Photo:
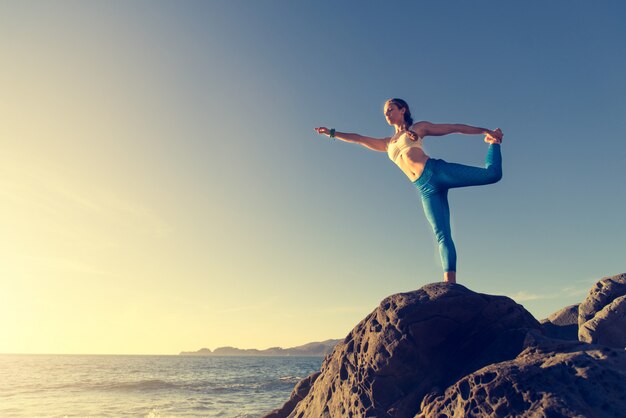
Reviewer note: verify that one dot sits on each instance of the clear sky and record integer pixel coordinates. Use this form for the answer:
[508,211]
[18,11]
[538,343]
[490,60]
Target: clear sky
[162,188]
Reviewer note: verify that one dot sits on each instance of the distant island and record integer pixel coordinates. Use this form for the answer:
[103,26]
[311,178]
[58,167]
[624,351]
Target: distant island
[311,349]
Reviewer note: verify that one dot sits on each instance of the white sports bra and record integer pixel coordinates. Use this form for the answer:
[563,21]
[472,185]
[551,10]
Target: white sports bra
[398,147]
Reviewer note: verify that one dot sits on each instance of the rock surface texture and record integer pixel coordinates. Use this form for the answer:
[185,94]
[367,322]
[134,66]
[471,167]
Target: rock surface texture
[562,324]
[602,315]
[411,343]
[550,378]
[608,327]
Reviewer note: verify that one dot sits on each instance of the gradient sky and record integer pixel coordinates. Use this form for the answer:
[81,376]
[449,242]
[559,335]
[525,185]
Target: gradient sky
[162,188]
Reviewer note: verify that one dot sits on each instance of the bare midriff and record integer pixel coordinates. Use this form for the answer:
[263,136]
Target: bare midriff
[412,163]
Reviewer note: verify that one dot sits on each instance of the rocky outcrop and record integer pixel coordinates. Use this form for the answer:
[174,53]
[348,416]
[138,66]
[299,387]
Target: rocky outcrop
[607,327]
[445,351]
[602,315]
[411,343]
[563,324]
[605,291]
[550,378]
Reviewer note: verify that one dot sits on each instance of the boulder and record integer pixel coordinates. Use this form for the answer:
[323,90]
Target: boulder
[610,316]
[605,291]
[607,327]
[550,378]
[562,324]
[412,343]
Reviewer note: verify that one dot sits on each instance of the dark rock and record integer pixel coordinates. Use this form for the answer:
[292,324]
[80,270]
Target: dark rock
[411,344]
[599,319]
[299,392]
[550,378]
[445,351]
[562,324]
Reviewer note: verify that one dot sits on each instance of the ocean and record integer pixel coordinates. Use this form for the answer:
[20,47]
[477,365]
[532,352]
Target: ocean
[147,386]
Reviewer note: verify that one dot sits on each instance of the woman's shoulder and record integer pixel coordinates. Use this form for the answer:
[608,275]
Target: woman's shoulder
[420,128]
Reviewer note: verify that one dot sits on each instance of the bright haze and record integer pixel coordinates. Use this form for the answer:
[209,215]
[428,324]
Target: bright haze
[162,187]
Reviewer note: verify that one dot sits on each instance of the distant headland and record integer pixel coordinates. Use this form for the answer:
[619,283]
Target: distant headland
[311,349]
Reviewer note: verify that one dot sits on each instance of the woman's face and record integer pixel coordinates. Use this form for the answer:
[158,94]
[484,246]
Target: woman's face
[393,114]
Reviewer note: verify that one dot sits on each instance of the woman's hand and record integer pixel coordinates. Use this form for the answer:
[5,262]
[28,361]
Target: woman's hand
[323,130]
[494,137]
[497,134]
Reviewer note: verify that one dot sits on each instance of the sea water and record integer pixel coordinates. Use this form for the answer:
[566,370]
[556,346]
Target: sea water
[147,386]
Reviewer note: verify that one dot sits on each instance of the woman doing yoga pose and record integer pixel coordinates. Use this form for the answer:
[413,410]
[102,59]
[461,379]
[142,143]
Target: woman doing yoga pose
[432,177]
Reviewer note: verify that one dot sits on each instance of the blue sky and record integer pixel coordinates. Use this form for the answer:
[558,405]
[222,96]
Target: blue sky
[161,175]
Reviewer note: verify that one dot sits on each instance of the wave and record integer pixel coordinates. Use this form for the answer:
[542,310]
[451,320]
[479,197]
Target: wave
[154,385]
[141,385]
[290,379]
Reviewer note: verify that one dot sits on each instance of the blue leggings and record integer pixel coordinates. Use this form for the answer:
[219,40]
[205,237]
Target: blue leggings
[433,185]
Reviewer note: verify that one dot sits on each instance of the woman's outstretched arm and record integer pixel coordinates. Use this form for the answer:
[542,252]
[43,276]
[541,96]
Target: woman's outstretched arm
[376,144]
[438,129]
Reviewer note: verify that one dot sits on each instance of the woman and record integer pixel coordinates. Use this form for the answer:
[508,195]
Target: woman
[432,177]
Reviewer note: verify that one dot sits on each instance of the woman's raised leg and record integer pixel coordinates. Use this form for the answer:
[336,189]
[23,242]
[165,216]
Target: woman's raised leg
[450,175]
